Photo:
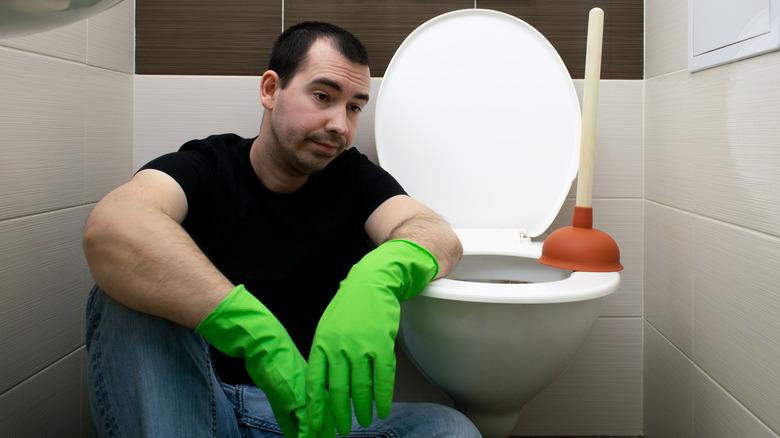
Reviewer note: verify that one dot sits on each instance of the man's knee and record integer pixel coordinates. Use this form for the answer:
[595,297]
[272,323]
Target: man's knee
[453,423]
[432,420]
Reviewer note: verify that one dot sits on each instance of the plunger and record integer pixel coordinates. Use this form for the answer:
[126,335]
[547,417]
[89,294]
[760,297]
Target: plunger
[581,247]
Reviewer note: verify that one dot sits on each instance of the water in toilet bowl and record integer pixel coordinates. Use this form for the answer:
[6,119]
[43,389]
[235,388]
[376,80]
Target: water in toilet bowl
[489,281]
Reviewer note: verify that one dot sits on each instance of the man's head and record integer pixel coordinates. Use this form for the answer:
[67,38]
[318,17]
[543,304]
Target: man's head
[290,51]
[313,96]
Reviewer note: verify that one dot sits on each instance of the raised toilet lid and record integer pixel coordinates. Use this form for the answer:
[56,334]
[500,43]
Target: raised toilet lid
[477,117]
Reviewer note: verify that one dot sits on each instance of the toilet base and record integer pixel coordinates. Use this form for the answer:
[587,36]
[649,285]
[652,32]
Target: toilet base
[493,424]
[498,356]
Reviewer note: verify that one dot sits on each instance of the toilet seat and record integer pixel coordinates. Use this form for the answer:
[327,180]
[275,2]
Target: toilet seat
[579,286]
[547,284]
[477,118]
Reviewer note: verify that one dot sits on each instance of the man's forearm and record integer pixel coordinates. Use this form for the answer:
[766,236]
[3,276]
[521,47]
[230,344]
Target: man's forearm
[434,234]
[145,260]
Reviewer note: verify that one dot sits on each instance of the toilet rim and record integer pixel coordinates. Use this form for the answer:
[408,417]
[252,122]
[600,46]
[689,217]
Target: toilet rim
[579,286]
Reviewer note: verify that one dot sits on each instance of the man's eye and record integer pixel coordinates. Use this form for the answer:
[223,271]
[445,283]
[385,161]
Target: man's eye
[322,97]
[356,108]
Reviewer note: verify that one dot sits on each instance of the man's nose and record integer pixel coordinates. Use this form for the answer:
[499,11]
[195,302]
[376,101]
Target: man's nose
[337,122]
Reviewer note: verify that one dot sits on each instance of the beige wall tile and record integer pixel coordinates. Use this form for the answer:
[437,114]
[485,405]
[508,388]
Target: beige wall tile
[681,400]
[712,136]
[42,298]
[668,388]
[364,139]
[736,178]
[618,166]
[669,141]
[67,42]
[719,415]
[668,274]
[666,37]
[48,404]
[171,110]
[599,393]
[109,132]
[111,38]
[737,314]
[66,128]
[43,126]
[87,428]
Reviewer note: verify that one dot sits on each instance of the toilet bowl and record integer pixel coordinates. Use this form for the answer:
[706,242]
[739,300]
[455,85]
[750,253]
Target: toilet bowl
[477,117]
[500,329]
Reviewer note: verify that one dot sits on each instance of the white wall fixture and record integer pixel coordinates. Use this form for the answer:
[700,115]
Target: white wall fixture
[22,17]
[722,31]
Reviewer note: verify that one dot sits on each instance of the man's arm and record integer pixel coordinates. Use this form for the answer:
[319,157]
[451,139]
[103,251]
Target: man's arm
[352,353]
[402,217]
[140,255]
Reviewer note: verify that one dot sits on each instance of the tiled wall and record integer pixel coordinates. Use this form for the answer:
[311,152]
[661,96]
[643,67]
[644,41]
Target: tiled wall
[182,92]
[705,186]
[600,393]
[66,109]
[712,240]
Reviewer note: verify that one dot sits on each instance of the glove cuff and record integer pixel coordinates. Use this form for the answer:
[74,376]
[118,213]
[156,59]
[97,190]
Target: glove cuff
[418,265]
[240,322]
[214,323]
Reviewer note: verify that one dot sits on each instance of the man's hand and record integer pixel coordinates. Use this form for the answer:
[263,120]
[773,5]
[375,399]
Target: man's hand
[242,327]
[352,353]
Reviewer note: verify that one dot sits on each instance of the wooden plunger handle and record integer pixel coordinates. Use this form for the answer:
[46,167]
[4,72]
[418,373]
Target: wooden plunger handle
[590,108]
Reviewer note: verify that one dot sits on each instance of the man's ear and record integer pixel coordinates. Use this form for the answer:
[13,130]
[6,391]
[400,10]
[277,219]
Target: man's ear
[269,85]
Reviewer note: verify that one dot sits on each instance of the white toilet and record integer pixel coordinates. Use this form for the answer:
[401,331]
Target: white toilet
[478,118]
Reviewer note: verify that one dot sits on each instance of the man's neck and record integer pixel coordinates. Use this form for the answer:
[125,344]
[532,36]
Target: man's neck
[270,173]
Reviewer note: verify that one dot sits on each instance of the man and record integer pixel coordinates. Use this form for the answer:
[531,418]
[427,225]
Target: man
[260,246]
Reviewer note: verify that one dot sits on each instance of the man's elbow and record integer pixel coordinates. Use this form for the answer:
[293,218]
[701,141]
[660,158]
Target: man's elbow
[96,234]
[452,254]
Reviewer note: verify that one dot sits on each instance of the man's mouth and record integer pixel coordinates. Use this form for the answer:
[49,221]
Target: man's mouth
[326,148]
[330,146]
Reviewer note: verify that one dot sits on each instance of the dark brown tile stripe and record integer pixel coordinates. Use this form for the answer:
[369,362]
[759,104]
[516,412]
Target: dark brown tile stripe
[234,37]
[205,37]
[565,25]
[381,25]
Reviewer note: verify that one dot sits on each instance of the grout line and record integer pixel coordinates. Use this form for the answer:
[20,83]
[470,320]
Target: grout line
[46,368]
[700,216]
[47,212]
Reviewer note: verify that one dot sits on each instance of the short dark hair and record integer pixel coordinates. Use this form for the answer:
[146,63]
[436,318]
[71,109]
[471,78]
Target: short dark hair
[291,48]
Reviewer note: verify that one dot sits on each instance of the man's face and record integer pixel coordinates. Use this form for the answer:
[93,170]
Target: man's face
[316,116]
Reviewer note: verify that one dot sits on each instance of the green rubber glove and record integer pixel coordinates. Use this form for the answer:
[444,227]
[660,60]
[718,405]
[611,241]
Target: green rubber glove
[352,352]
[242,327]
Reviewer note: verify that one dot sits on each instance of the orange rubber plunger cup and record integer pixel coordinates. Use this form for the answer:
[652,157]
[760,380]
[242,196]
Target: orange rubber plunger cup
[581,247]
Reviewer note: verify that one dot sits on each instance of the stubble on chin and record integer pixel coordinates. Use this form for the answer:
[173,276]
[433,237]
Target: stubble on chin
[300,156]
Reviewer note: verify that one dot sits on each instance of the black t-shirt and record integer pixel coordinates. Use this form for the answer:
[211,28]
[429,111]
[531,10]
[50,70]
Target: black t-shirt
[290,250]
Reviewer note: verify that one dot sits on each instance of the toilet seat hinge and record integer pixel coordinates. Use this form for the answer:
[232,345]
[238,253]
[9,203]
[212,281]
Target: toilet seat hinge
[524,238]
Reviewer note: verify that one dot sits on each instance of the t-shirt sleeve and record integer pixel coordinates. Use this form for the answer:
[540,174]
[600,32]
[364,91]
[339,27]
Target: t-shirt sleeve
[195,173]
[374,185]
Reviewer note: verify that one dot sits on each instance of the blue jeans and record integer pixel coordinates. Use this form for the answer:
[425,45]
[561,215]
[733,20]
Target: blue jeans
[151,377]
